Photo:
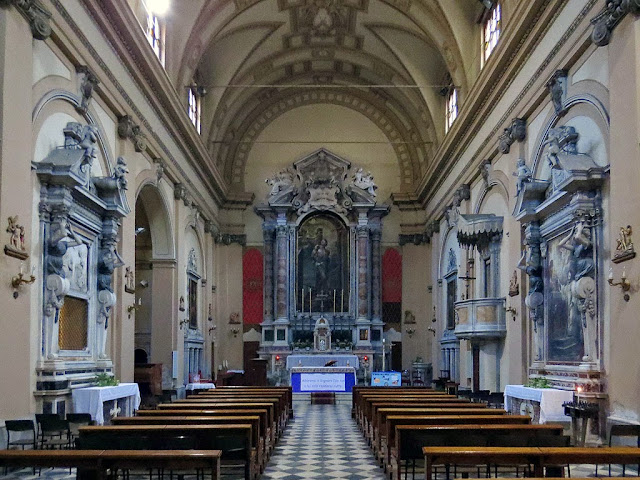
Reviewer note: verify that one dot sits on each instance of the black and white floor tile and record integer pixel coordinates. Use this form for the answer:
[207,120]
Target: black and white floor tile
[322,443]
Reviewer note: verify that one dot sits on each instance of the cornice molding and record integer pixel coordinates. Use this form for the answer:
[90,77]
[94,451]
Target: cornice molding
[532,21]
[121,29]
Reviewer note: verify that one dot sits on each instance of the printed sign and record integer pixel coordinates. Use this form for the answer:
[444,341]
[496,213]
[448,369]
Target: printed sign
[322,382]
[386,379]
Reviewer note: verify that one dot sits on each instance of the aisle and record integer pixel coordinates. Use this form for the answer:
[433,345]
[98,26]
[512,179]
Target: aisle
[323,442]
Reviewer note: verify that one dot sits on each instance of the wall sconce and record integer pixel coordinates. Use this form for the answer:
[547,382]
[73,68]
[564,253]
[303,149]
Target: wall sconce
[410,331]
[211,329]
[434,320]
[183,322]
[432,330]
[132,308]
[21,279]
[623,283]
[512,311]
[235,331]
[181,306]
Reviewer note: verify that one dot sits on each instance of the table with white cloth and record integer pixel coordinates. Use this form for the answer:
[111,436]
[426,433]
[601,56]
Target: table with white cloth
[104,403]
[543,404]
[200,386]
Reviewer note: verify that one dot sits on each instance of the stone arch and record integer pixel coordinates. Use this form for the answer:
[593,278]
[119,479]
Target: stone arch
[389,124]
[160,228]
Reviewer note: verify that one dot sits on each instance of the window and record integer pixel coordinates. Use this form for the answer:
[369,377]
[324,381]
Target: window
[490,32]
[194,106]
[451,300]
[452,107]
[155,36]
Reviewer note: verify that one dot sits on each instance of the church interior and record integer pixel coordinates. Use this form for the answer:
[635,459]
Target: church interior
[300,214]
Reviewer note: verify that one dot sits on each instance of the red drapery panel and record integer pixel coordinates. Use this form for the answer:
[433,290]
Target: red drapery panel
[391,276]
[252,278]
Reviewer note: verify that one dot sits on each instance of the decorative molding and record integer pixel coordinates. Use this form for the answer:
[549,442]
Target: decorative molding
[609,17]
[160,168]
[413,238]
[127,129]
[517,131]
[462,193]
[36,14]
[229,238]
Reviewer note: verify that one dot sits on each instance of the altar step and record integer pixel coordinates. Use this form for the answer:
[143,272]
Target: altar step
[341,398]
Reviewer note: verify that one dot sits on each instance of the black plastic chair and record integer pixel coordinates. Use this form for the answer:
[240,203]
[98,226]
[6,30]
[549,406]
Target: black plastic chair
[77,420]
[20,427]
[622,430]
[54,433]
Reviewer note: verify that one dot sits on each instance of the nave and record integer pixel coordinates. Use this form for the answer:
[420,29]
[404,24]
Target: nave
[322,442]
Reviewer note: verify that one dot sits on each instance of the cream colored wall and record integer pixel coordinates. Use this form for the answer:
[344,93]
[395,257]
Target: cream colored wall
[335,128]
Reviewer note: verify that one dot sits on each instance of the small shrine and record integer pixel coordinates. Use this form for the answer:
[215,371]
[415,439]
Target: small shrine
[322,336]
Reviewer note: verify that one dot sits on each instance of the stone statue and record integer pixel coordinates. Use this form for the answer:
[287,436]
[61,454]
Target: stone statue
[624,245]
[119,173]
[16,232]
[280,182]
[61,238]
[523,173]
[108,261]
[365,181]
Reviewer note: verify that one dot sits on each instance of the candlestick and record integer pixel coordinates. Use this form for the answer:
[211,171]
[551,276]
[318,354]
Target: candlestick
[309,300]
[342,301]
[302,296]
[334,301]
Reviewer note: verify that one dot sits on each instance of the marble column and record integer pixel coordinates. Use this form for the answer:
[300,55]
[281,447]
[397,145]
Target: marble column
[281,278]
[376,258]
[267,233]
[363,244]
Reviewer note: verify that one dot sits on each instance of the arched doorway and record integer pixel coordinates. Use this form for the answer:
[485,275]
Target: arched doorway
[154,284]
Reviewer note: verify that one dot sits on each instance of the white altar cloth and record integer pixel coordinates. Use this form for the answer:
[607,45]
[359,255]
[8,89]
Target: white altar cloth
[200,386]
[550,400]
[319,360]
[91,399]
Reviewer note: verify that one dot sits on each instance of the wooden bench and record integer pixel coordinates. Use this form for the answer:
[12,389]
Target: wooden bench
[362,408]
[388,427]
[257,435]
[286,389]
[99,462]
[409,439]
[215,395]
[234,440]
[537,457]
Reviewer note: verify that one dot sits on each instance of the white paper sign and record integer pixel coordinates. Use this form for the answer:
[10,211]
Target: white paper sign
[322,382]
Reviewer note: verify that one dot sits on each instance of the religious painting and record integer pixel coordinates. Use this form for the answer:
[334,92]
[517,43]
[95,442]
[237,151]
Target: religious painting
[323,265]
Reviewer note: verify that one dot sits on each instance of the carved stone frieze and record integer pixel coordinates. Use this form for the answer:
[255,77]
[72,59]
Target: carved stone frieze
[413,238]
[516,132]
[609,17]
[128,129]
[37,15]
[229,238]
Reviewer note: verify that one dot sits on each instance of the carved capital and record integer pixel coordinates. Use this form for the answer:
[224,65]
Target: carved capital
[609,17]
[160,167]
[229,238]
[128,129]
[35,13]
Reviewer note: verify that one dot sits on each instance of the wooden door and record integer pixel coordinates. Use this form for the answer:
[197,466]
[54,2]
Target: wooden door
[396,356]
[250,352]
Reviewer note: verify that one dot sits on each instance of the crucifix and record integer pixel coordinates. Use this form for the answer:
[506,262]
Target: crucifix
[115,410]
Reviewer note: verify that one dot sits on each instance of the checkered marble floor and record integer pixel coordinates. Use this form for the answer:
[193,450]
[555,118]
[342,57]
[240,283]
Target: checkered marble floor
[322,443]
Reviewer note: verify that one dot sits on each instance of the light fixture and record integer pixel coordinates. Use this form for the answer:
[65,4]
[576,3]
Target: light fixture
[410,331]
[158,7]
[22,279]
[133,307]
[183,322]
[623,283]
[235,331]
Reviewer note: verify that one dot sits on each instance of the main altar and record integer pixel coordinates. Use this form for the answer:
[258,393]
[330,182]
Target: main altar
[322,231]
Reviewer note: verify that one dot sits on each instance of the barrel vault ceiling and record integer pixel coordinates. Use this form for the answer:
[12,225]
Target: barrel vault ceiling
[258,59]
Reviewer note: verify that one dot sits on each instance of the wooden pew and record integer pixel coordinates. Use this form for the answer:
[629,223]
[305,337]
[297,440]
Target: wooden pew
[101,461]
[389,423]
[357,391]
[409,439]
[269,406]
[362,397]
[206,437]
[257,435]
[363,407]
[538,457]
[215,395]
[288,390]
